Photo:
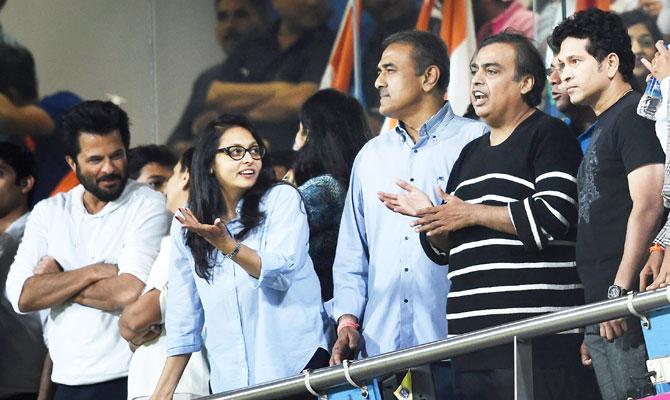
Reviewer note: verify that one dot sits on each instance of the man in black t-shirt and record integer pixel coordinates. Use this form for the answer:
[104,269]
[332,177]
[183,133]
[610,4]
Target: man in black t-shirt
[619,185]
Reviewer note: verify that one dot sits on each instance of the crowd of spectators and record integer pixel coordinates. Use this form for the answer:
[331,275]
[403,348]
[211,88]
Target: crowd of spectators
[276,231]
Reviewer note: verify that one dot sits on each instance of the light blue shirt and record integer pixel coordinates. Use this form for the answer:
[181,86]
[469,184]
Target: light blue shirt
[257,329]
[381,275]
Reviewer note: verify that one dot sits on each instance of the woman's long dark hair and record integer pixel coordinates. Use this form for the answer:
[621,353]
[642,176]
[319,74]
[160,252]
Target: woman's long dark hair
[206,197]
[337,128]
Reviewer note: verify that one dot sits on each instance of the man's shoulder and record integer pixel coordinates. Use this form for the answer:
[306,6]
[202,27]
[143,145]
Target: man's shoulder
[466,126]
[137,193]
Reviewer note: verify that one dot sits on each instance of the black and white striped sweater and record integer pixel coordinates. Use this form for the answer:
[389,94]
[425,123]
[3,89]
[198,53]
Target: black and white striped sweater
[498,277]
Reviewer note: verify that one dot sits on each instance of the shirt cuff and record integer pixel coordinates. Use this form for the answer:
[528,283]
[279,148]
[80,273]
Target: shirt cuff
[275,271]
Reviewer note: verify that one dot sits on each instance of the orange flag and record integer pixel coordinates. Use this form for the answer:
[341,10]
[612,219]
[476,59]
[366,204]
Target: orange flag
[341,62]
[585,4]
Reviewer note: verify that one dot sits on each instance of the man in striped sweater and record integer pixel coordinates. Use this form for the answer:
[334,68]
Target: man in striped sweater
[507,228]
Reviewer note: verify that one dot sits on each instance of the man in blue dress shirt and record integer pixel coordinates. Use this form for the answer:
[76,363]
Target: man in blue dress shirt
[382,278]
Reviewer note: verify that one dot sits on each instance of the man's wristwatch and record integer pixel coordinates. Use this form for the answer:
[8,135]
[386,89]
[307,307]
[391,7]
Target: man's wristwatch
[614,292]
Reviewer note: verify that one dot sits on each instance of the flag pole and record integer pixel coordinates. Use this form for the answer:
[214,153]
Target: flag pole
[357,55]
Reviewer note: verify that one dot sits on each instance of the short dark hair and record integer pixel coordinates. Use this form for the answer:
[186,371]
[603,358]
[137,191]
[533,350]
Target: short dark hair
[635,17]
[21,160]
[262,7]
[528,62]
[427,50]
[17,72]
[140,156]
[606,34]
[96,117]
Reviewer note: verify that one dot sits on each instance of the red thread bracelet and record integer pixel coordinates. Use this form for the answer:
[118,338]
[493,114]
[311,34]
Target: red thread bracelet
[347,324]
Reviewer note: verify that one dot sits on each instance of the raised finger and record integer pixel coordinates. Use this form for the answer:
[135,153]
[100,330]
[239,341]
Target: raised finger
[660,47]
[404,185]
[647,64]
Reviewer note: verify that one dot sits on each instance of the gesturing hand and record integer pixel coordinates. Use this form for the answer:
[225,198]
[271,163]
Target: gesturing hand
[407,203]
[345,345]
[660,64]
[217,234]
[451,216]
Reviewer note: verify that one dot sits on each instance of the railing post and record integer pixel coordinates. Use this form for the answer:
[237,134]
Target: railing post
[523,369]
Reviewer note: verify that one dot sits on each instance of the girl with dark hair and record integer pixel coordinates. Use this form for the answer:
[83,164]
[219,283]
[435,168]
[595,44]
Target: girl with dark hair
[333,128]
[240,267]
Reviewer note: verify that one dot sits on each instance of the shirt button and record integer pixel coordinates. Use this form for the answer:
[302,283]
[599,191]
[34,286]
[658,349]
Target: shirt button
[405,301]
[406,269]
[416,151]
[411,179]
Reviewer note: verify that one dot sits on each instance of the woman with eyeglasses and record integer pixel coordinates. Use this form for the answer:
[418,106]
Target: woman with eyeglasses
[333,128]
[240,267]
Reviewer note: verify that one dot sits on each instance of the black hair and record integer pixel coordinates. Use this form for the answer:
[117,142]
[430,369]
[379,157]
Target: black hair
[206,197]
[528,63]
[21,160]
[261,7]
[634,17]
[96,117]
[186,160]
[337,128]
[140,156]
[606,34]
[427,50]
[18,80]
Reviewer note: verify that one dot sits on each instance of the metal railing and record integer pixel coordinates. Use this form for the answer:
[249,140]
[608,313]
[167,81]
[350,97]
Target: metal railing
[323,379]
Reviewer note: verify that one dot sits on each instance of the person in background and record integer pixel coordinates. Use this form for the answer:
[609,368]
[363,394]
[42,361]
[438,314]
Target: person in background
[271,73]
[494,16]
[234,20]
[643,34]
[20,116]
[151,164]
[333,128]
[656,272]
[141,323]
[23,350]
[239,265]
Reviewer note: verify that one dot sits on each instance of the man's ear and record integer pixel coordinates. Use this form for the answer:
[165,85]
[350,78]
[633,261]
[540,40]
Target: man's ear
[430,78]
[526,84]
[27,184]
[70,161]
[611,62]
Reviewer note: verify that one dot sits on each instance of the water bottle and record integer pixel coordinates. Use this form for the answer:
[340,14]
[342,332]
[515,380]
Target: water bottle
[650,100]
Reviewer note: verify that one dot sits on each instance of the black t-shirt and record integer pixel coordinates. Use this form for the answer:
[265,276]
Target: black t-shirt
[257,59]
[621,142]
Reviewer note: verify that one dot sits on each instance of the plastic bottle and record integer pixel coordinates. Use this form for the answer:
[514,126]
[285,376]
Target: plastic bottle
[650,100]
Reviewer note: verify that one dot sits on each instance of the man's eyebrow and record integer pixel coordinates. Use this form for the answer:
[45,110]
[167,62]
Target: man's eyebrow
[490,64]
[386,65]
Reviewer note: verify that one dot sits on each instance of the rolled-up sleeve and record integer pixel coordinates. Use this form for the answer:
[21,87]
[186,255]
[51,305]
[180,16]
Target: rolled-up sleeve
[350,268]
[142,243]
[286,244]
[33,246]
[551,210]
[184,317]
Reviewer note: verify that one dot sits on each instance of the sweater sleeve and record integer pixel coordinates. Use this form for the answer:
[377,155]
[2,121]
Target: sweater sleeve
[551,210]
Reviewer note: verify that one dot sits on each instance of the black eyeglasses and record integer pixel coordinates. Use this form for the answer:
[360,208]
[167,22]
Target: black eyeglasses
[238,152]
